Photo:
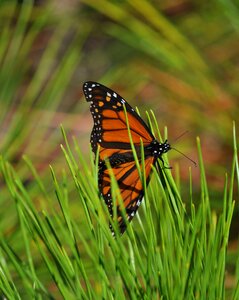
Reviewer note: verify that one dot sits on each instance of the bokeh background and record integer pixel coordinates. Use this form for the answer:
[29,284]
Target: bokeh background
[179,58]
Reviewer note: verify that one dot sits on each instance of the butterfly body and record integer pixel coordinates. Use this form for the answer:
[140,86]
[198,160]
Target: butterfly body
[110,134]
[154,149]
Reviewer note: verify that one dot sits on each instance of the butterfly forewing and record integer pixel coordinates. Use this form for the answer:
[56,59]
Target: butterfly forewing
[110,130]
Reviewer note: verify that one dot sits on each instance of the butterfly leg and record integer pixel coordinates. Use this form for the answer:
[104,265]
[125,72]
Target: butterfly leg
[165,167]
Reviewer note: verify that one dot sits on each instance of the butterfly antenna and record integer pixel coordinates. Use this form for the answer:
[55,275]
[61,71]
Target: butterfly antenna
[182,134]
[185,156]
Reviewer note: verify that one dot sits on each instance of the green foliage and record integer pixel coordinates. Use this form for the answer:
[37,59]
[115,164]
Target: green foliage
[167,251]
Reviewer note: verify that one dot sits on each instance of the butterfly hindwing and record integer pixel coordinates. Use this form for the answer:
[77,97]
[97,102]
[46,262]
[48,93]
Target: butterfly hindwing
[130,188]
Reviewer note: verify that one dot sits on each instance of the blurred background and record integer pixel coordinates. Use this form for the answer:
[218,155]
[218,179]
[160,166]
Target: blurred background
[179,58]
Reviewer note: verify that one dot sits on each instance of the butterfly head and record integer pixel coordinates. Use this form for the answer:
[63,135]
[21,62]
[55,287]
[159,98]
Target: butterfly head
[157,149]
[165,146]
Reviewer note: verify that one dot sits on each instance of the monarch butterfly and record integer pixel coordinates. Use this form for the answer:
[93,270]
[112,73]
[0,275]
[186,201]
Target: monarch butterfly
[110,134]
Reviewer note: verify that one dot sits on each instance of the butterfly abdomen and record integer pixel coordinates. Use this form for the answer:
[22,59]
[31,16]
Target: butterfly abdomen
[118,159]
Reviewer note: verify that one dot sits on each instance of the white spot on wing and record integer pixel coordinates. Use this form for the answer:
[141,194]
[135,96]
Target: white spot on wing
[138,202]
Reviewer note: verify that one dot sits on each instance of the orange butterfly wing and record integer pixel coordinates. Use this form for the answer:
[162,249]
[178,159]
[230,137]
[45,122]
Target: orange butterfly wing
[110,130]
[130,186]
